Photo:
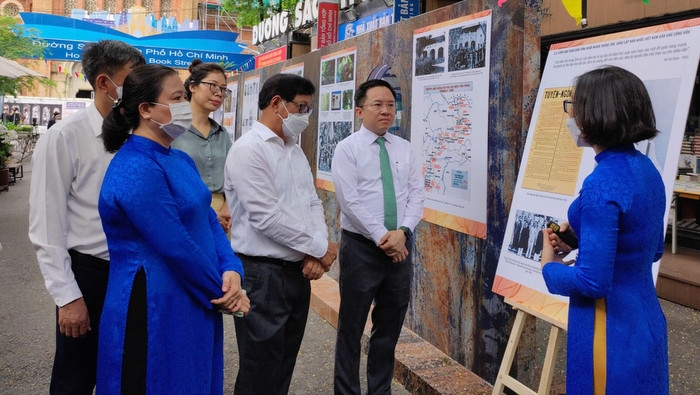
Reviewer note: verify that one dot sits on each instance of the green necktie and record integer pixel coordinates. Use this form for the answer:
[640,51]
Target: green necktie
[387,186]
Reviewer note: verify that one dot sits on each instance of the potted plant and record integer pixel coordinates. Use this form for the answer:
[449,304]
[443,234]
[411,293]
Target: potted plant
[6,136]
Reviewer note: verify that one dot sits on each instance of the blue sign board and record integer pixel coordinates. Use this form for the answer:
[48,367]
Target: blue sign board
[404,9]
[64,39]
[366,24]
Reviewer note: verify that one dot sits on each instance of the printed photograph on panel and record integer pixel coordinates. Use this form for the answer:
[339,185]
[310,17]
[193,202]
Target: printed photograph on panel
[347,99]
[325,101]
[430,55]
[526,239]
[335,100]
[330,134]
[467,47]
[346,68]
[328,72]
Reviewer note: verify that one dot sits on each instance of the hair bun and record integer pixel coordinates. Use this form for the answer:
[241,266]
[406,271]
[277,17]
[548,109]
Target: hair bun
[195,63]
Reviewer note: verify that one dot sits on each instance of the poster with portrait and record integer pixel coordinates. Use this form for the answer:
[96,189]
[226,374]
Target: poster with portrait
[336,112]
[665,58]
[449,128]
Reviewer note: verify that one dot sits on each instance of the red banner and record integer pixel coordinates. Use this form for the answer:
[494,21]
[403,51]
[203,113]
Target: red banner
[327,22]
[271,57]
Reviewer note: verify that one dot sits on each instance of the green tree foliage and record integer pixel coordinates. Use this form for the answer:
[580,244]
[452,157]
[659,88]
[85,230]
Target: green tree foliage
[16,42]
[251,12]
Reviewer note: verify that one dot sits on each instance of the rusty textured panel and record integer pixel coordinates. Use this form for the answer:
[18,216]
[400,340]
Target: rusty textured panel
[528,355]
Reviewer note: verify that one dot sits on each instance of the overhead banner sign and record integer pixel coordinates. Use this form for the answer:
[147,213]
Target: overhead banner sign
[327,22]
[64,39]
[271,57]
[305,13]
[404,9]
[366,24]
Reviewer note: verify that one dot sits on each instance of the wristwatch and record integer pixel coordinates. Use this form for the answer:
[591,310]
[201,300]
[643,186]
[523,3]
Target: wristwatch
[407,232]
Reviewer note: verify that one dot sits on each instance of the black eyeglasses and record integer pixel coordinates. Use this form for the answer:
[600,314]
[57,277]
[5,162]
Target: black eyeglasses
[303,108]
[568,106]
[215,88]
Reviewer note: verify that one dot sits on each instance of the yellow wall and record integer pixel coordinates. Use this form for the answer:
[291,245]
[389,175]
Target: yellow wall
[555,19]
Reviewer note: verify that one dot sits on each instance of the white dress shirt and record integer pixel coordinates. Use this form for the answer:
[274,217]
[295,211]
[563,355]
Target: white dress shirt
[357,178]
[68,165]
[275,211]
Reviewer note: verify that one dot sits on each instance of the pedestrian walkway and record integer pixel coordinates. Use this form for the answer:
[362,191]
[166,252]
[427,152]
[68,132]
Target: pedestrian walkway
[420,366]
[27,323]
[27,330]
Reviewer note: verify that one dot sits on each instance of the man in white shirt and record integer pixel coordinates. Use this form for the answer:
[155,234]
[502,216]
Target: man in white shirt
[68,166]
[278,231]
[380,205]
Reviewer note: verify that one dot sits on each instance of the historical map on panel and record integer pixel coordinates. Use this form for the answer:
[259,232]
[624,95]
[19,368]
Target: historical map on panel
[447,145]
[449,120]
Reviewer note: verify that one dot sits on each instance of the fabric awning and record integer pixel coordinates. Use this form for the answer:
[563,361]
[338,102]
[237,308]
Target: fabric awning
[11,69]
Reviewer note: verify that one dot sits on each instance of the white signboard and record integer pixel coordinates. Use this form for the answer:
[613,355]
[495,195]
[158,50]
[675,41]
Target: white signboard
[336,113]
[449,120]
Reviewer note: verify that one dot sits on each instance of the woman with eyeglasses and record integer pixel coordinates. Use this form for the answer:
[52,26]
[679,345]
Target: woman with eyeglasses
[207,142]
[617,336]
[172,270]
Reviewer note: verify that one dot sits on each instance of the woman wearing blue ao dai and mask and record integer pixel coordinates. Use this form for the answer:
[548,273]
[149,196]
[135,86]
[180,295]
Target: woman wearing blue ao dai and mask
[617,337]
[172,268]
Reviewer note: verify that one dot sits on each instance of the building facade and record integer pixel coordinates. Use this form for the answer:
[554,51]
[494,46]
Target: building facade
[210,16]
[178,8]
[68,79]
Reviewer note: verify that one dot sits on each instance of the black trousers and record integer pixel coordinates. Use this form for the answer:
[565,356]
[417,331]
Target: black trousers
[75,362]
[367,274]
[270,335]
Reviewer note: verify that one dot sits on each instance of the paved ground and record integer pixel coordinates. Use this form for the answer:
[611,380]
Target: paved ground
[683,350]
[27,325]
[27,318]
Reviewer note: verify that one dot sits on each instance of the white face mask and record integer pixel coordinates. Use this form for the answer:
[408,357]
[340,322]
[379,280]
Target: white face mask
[294,124]
[120,90]
[180,119]
[576,133]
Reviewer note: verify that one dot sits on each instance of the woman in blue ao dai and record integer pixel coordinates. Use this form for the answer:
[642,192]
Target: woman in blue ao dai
[617,336]
[172,268]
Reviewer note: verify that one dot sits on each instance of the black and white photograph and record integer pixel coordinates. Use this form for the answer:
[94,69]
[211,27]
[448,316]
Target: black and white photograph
[526,239]
[430,55]
[467,47]
[330,134]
